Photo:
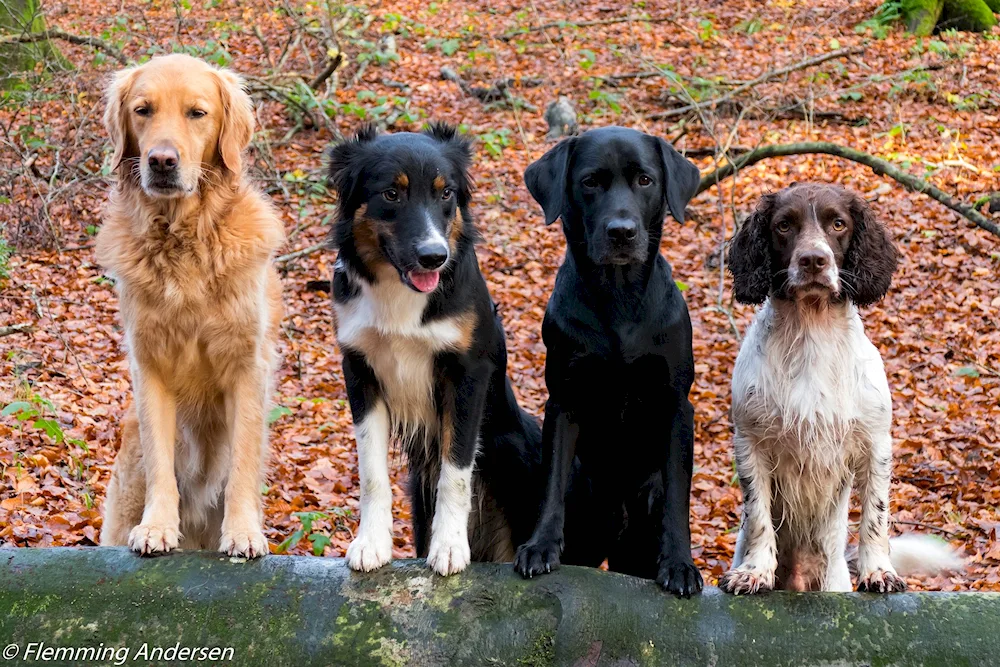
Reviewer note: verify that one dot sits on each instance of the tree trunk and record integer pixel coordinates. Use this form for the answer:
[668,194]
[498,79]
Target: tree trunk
[967,15]
[285,610]
[920,16]
[19,17]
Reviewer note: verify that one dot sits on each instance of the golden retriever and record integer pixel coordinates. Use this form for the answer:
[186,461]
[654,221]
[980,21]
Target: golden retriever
[189,242]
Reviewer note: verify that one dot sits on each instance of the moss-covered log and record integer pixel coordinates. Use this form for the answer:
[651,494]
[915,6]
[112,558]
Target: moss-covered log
[920,16]
[287,610]
[967,15]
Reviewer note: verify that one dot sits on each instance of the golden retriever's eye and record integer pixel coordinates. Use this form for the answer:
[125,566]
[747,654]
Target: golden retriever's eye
[142,111]
[390,195]
[447,193]
[839,225]
[783,227]
[589,182]
[197,113]
[644,181]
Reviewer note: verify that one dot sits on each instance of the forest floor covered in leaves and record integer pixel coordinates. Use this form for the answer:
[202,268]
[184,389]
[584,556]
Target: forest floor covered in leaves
[928,106]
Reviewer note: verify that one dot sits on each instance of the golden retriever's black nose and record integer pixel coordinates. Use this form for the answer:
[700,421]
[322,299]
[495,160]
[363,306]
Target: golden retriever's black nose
[432,255]
[163,159]
[812,262]
[622,230]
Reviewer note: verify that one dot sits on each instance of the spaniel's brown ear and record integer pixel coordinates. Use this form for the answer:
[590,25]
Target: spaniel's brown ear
[237,120]
[750,254]
[871,257]
[123,144]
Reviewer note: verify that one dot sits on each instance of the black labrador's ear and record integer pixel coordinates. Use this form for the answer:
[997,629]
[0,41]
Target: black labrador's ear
[871,257]
[681,179]
[546,179]
[750,254]
[458,150]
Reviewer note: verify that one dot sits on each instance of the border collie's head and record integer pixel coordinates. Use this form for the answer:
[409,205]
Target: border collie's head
[399,195]
[812,243]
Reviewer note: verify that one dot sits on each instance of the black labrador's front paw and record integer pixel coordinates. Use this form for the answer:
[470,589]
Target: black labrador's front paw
[537,557]
[680,578]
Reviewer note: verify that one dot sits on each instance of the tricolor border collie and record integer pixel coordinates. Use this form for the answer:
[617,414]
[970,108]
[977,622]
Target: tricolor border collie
[424,355]
[811,404]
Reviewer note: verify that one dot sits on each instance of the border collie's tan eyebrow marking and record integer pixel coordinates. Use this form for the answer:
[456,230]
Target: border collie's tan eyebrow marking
[439,183]
[402,181]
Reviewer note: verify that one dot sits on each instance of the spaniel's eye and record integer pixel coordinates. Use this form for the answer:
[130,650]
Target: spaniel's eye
[839,225]
[589,182]
[644,181]
[783,227]
[390,195]
[197,113]
[447,193]
[142,111]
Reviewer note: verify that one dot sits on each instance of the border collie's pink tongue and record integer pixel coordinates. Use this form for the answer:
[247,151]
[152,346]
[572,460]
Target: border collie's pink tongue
[425,281]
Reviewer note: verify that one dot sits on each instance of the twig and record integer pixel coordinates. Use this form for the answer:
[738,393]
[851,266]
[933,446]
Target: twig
[300,253]
[928,526]
[12,329]
[327,73]
[767,76]
[46,35]
[507,36]
[878,165]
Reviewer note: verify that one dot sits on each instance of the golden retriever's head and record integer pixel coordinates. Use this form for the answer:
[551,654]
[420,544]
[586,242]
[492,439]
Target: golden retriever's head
[174,122]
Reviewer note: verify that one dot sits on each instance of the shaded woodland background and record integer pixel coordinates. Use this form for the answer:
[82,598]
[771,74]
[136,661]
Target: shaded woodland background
[717,78]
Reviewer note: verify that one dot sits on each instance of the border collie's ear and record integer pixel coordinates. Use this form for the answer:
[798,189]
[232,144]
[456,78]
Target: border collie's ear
[681,179]
[546,179]
[345,169]
[750,254]
[458,149]
[871,257]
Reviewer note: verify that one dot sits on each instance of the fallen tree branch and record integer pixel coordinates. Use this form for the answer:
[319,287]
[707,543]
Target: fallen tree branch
[507,36]
[300,253]
[299,610]
[12,329]
[763,78]
[878,165]
[81,40]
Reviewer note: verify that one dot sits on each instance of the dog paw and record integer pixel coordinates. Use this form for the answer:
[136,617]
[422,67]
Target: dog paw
[448,556]
[243,543]
[367,552]
[747,581]
[881,581]
[538,557]
[147,538]
[680,578]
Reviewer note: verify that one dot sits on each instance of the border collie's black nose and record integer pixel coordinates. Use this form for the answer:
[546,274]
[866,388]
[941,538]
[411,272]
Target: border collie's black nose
[432,255]
[813,261]
[621,230]
[163,159]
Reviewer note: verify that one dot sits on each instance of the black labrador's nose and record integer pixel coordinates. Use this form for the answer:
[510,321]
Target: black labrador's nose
[621,230]
[813,261]
[163,159]
[432,255]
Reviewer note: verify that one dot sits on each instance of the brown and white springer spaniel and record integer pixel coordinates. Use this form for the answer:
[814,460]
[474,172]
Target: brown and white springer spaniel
[811,404]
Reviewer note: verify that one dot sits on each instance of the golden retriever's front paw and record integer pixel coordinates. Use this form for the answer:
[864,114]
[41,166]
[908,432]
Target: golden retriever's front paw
[369,552]
[881,581]
[148,538]
[449,556]
[747,580]
[243,543]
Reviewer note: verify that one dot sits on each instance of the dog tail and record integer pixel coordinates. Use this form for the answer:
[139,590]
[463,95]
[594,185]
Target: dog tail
[923,554]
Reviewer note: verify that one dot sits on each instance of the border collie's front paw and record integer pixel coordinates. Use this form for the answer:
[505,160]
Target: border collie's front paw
[538,557]
[747,580]
[680,578]
[370,551]
[881,581]
[449,555]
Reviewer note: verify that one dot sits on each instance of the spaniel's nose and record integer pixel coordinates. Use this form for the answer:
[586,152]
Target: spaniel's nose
[813,261]
[163,159]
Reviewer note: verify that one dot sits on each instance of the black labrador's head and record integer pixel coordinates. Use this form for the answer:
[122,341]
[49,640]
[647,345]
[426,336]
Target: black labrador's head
[612,188]
[812,241]
[399,194]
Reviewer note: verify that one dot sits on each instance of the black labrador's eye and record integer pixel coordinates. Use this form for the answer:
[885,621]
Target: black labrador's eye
[390,195]
[589,182]
[839,225]
[644,180]
[447,193]
[783,227]
[142,111]
[197,113]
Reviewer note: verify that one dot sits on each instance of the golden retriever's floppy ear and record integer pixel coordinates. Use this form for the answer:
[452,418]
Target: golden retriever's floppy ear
[237,120]
[115,118]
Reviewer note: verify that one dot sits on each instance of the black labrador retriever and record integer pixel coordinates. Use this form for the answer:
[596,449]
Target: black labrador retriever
[618,436]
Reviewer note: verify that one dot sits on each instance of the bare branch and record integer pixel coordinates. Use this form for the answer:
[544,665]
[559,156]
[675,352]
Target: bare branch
[83,40]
